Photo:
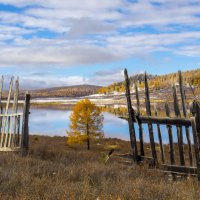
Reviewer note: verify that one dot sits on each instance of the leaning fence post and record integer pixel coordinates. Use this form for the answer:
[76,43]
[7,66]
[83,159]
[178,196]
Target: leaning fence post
[197,121]
[197,118]
[183,99]
[25,127]
[182,92]
[139,124]
[160,138]
[196,145]
[1,88]
[179,128]
[196,134]
[170,134]
[131,118]
[150,126]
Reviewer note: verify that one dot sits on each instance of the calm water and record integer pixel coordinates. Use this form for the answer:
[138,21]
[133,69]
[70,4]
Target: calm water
[54,122]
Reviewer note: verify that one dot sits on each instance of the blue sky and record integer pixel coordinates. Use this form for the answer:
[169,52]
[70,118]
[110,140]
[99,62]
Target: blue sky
[55,42]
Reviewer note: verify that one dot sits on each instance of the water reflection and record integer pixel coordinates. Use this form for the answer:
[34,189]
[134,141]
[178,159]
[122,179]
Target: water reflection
[55,123]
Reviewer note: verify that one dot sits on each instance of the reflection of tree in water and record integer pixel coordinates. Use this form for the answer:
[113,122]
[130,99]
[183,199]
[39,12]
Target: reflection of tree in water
[122,111]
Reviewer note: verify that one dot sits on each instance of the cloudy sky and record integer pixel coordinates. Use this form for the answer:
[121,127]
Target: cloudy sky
[66,42]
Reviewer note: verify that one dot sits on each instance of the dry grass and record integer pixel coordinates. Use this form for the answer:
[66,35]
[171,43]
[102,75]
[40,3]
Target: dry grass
[53,170]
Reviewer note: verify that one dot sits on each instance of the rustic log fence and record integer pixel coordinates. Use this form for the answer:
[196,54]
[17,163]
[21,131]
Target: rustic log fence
[175,157]
[14,135]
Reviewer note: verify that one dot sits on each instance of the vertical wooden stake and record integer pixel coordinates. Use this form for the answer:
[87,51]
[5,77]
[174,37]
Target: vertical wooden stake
[171,143]
[137,97]
[14,110]
[8,131]
[197,121]
[179,128]
[4,142]
[182,91]
[1,89]
[160,139]
[183,99]
[196,146]
[1,118]
[187,130]
[150,127]
[197,118]
[25,126]
[139,124]
[18,138]
[131,117]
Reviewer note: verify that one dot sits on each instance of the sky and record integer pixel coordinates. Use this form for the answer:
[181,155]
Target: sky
[51,43]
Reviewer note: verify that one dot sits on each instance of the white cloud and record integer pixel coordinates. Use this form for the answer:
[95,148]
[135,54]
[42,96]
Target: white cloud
[93,32]
[34,82]
[48,80]
[89,26]
[133,45]
[193,51]
[169,12]
[40,52]
[107,77]
[99,78]
[70,52]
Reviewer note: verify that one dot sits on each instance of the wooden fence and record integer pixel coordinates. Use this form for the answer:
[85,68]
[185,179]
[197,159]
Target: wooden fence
[13,124]
[181,157]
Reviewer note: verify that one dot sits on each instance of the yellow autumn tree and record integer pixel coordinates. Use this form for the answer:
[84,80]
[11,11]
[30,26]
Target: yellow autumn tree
[86,123]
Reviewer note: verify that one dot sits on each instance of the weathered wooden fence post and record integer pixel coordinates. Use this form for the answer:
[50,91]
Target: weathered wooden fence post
[179,128]
[25,126]
[196,134]
[4,135]
[139,124]
[197,120]
[170,134]
[1,88]
[160,138]
[183,99]
[180,121]
[150,126]
[131,117]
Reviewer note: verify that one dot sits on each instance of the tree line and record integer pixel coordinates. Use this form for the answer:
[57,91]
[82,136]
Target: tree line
[155,82]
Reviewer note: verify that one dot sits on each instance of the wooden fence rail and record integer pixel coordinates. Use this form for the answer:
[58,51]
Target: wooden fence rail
[13,124]
[175,157]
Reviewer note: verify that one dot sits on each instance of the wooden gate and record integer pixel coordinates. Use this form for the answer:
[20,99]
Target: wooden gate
[13,124]
[179,156]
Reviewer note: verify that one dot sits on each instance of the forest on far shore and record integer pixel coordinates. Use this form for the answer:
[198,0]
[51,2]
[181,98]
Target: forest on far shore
[155,82]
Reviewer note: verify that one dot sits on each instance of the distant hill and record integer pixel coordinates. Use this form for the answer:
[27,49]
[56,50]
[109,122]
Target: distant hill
[67,91]
[155,82]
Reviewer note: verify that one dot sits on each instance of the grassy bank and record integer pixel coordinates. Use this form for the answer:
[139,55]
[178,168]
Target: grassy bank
[53,170]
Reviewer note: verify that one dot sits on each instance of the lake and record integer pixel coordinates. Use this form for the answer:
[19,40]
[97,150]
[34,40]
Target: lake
[54,122]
